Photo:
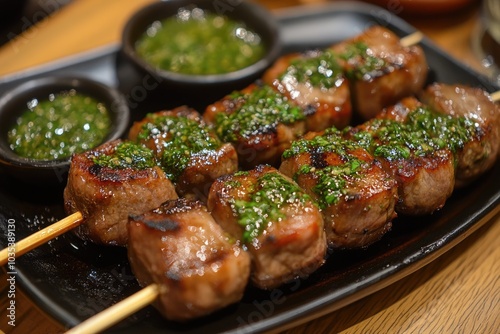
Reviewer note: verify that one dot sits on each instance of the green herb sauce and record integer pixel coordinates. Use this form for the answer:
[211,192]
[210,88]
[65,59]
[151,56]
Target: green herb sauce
[423,133]
[127,155]
[365,63]
[63,124]
[199,42]
[444,130]
[260,112]
[321,70]
[332,180]
[331,141]
[270,195]
[181,138]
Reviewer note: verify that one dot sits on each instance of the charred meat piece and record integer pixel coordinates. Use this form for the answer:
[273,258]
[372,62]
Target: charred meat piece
[422,164]
[473,109]
[380,70]
[109,183]
[315,81]
[278,223]
[260,122]
[180,247]
[186,148]
[356,196]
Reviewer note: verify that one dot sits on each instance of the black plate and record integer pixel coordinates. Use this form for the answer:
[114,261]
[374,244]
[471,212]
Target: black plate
[72,280]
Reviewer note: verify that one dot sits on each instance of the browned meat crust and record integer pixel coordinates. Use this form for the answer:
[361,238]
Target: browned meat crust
[480,154]
[290,245]
[404,70]
[263,145]
[106,196]
[360,211]
[325,107]
[204,164]
[425,180]
[180,247]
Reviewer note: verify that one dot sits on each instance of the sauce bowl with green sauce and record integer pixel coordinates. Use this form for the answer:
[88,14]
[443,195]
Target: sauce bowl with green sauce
[43,122]
[200,49]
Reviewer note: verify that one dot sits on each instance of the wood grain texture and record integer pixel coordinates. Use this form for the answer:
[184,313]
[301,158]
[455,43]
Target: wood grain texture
[457,293]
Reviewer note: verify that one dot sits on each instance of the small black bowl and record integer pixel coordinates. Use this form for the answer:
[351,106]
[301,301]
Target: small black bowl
[194,90]
[14,102]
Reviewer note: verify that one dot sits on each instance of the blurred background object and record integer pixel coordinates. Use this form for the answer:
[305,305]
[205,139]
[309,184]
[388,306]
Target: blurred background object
[423,7]
[16,16]
[486,38]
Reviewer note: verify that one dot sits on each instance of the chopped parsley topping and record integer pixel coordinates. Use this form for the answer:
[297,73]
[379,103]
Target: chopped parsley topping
[181,138]
[366,65]
[269,196]
[321,70]
[259,112]
[127,155]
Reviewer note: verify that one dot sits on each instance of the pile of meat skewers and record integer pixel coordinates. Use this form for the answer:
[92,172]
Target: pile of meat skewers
[267,178]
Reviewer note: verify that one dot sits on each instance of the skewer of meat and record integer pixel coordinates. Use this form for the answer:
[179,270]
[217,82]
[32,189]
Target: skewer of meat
[189,267]
[365,73]
[315,90]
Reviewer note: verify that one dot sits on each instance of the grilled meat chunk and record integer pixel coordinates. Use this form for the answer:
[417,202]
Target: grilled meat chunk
[475,110]
[279,224]
[315,81]
[260,122]
[422,164]
[380,70]
[189,152]
[356,196]
[181,248]
[110,182]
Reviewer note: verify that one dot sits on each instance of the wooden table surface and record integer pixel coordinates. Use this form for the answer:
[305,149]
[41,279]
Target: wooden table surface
[457,293]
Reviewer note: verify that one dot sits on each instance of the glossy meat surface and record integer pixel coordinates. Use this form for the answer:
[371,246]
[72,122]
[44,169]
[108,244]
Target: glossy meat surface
[259,122]
[314,81]
[180,247]
[380,70]
[186,148]
[424,171]
[474,104]
[280,226]
[357,197]
[107,196]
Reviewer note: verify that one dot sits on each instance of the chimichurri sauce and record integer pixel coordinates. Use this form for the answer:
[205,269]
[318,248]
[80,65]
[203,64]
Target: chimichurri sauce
[267,200]
[199,42]
[260,112]
[320,70]
[127,155]
[181,138]
[65,123]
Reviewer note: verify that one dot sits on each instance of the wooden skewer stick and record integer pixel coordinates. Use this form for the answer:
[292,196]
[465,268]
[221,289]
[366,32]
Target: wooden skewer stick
[411,39]
[495,96]
[41,237]
[117,312]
